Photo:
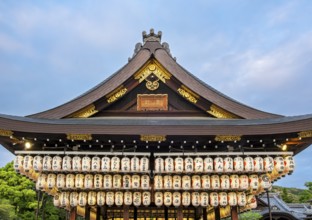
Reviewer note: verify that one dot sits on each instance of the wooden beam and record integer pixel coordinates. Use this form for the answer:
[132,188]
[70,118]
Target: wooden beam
[98,213]
[126,212]
[87,212]
[234,213]
[166,212]
[135,213]
[73,213]
[180,213]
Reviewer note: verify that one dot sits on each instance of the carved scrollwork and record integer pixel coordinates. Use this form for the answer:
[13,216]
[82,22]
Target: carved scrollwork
[85,112]
[117,95]
[187,94]
[227,138]
[6,133]
[305,134]
[219,112]
[153,138]
[152,68]
[79,137]
[152,85]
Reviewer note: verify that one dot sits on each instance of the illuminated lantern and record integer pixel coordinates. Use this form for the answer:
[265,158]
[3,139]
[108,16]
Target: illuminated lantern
[215,182]
[248,164]
[258,164]
[98,181]
[195,199]
[60,181]
[238,164]
[234,181]
[108,181]
[198,164]
[86,164]
[214,199]
[186,182]
[158,182]
[64,199]
[47,163]
[218,164]
[100,198]
[146,198]
[205,181]
[189,164]
[56,200]
[56,163]
[241,199]
[204,199]
[223,201]
[76,164]
[79,180]
[96,164]
[289,164]
[168,182]
[70,181]
[137,199]
[232,199]
[144,164]
[159,165]
[158,199]
[51,180]
[169,164]
[208,165]
[73,199]
[67,163]
[41,181]
[243,182]
[110,200]
[18,163]
[37,163]
[268,164]
[128,198]
[28,163]
[251,202]
[228,164]
[82,199]
[176,182]
[145,182]
[186,199]
[126,181]
[264,181]
[176,199]
[253,182]
[135,181]
[118,198]
[278,164]
[125,164]
[167,198]
[178,164]
[135,164]
[115,164]
[196,182]
[117,181]
[105,164]
[225,182]
[88,181]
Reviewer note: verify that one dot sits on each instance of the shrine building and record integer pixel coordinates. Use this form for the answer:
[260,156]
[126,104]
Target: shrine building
[152,141]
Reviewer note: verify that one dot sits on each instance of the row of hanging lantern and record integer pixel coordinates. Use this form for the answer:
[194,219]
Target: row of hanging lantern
[224,164]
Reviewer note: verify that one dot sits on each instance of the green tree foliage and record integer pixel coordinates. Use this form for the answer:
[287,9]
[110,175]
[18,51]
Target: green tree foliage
[7,210]
[286,197]
[250,216]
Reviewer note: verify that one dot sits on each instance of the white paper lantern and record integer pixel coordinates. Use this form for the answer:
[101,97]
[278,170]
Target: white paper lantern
[18,163]
[204,199]
[186,182]
[176,182]
[159,165]
[223,200]
[115,164]
[238,164]
[232,199]
[56,200]
[86,164]
[108,181]
[37,163]
[128,198]
[234,181]
[189,164]
[82,199]
[243,182]
[264,181]
[228,164]
[47,163]
[135,164]
[110,200]
[158,182]
[67,163]
[60,181]
[176,199]
[167,199]
[70,181]
[258,164]
[117,181]
[98,181]
[215,182]
[126,181]
[205,181]
[105,164]
[79,181]
[253,182]
[28,163]
[88,181]
[95,164]
[57,163]
[51,180]
[225,182]
[158,199]
[278,164]
[198,164]
[73,199]
[195,199]
[135,180]
[214,199]
[125,164]
[208,165]
[268,164]
[41,181]
[145,182]
[178,164]
[64,199]
[137,199]
[118,198]
[248,164]
[169,164]
[146,198]
[196,182]
[144,164]
[168,182]
[289,164]
[218,164]
[100,198]
[186,199]
[241,199]
[76,164]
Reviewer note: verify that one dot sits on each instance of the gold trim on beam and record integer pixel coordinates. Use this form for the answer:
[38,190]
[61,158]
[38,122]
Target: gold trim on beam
[305,134]
[227,138]
[79,137]
[152,138]
[219,112]
[156,69]
[188,94]
[116,94]
[6,133]
[85,112]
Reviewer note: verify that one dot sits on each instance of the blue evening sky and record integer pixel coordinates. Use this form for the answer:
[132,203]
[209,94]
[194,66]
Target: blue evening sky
[257,52]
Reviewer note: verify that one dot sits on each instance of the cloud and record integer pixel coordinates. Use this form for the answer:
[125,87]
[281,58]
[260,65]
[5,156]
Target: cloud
[281,14]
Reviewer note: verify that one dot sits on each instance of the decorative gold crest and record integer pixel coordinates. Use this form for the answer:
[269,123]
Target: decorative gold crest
[79,137]
[153,68]
[153,138]
[117,94]
[85,112]
[305,134]
[188,94]
[227,138]
[219,112]
[6,133]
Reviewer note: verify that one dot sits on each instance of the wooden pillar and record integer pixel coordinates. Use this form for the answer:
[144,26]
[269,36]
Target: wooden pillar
[166,213]
[87,212]
[73,213]
[217,213]
[98,213]
[135,213]
[126,212]
[104,212]
[205,213]
[180,213]
[234,213]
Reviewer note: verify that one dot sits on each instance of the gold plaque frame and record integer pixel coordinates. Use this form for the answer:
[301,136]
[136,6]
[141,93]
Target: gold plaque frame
[152,102]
